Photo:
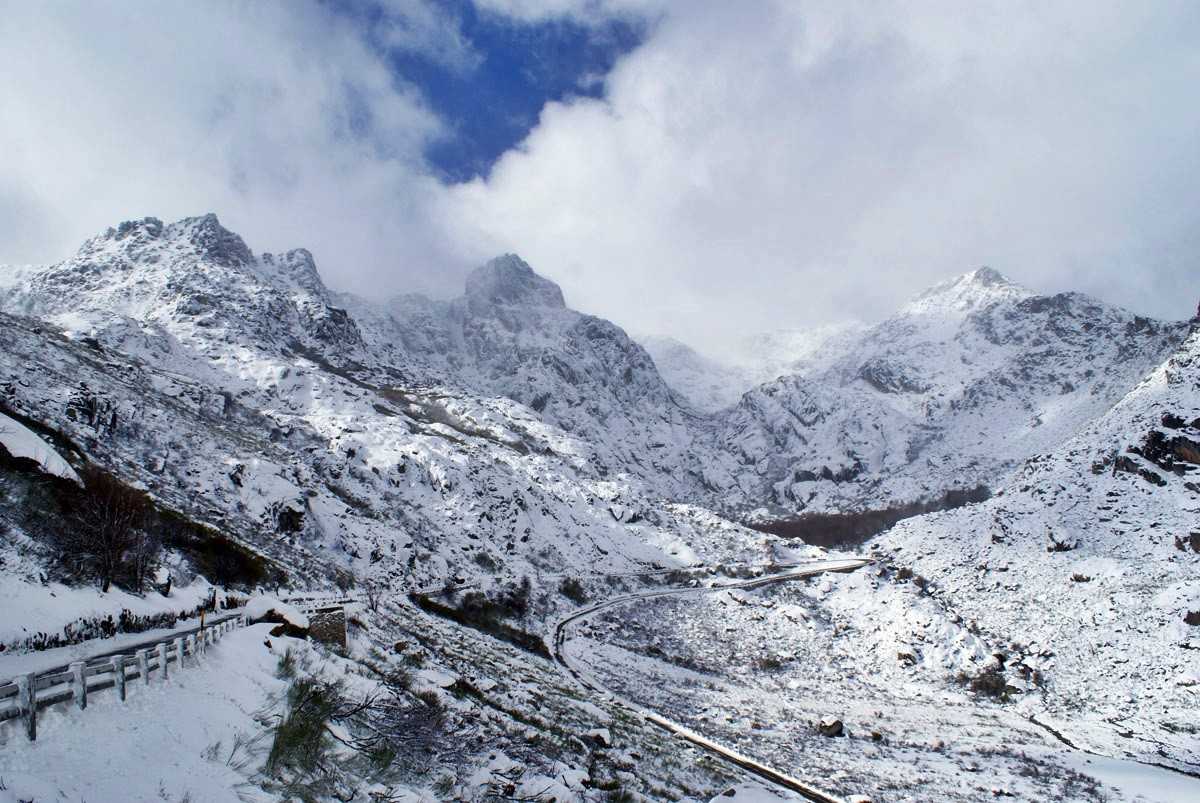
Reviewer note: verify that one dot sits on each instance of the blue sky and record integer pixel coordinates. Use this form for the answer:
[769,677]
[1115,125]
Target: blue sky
[491,100]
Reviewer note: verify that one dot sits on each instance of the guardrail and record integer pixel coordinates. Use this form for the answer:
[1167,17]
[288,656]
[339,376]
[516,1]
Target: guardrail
[27,694]
[23,696]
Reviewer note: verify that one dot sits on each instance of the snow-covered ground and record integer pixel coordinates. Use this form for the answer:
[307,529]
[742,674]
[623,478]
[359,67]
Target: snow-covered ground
[415,444]
[20,441]
[190,738]
[50,607]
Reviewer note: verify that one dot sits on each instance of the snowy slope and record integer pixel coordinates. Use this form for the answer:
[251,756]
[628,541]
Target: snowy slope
[706,383]
[502,434]
[953,392]
[511,334]
[19,441]
[1086,569]
[238,391]
[784,352]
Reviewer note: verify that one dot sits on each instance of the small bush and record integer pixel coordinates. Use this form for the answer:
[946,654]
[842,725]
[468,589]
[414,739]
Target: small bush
[768,663]
[300,741]
[430,698]
[573,590]
[989,682]
[287,665]
[94,627]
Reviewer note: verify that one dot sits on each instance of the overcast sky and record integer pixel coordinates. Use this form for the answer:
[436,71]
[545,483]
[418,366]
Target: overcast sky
[699,168]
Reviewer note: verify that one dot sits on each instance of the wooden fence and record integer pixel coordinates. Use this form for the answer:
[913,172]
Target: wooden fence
[27,694]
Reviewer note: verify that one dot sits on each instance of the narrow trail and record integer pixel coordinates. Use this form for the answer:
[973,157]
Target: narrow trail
[726,754]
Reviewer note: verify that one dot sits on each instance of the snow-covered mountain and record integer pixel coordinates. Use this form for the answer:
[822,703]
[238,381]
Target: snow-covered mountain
[1087,566]
[417,442]
[953,392]
[511,334]
[234,386]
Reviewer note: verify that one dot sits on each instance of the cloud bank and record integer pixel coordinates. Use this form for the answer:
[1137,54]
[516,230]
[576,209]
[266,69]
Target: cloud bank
[780,163]
[750,166]
[285,120]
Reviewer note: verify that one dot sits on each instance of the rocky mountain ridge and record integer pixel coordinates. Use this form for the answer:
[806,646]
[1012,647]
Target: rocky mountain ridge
[952,393]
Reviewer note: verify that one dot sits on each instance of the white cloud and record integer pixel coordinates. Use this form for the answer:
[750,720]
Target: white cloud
[583,11]
[421,27]
[278,116]
[777,163]
[751,165]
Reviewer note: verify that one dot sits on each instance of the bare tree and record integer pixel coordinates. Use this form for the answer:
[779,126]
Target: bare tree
[105,536]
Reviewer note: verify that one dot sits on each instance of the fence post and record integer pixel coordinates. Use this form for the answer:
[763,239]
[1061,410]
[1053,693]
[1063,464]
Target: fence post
[27,699]
[191,647]
[143,666]
[162,659]
[79,683]
[118,668]
[179,652]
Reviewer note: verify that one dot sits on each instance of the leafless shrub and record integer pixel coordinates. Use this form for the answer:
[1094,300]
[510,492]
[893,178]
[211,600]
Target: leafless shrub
[106,538]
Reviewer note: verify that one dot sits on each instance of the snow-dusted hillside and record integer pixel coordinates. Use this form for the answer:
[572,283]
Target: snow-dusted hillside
[231,386]
[511,334]
[712,384]
[953,392]
[1085,572]
[785,352]
[707,384]
[419,443]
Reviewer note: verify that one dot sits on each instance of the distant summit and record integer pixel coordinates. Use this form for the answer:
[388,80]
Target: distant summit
[509,281]
[967,292]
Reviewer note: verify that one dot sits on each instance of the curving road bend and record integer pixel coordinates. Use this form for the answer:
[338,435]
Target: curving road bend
[726,754]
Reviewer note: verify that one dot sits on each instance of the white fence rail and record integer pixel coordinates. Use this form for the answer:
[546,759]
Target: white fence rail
[24,696]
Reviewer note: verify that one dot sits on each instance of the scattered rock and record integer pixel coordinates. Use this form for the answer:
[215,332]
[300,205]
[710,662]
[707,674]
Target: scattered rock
[600,737]
[291,621]
[830,726]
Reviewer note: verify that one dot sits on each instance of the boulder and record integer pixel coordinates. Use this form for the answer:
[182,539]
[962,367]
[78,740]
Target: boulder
[599,737]
[830,726]
[268,609]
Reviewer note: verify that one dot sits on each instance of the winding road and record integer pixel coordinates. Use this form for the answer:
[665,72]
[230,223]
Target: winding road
[726,754]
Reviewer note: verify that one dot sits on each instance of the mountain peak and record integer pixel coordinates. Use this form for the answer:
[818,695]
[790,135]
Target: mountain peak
[509,281]
[298,268]
[987,276]
[967,292]
[214,241]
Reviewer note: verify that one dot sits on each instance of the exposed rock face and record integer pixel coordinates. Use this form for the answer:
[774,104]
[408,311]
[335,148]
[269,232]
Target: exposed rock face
[830,726]
[509,281]
[511,335]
